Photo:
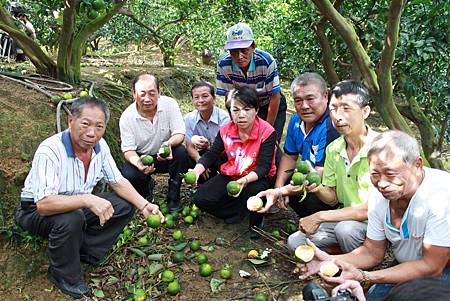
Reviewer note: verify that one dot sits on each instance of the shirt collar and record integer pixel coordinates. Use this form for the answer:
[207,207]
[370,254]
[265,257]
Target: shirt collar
[67,142]
[251,67]
[214,118]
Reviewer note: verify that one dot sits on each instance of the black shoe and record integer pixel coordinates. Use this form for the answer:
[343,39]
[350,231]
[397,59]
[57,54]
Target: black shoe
[174,205]
[76,291]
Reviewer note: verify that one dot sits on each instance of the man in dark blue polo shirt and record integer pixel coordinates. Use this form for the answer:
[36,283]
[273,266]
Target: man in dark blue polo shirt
[309,132]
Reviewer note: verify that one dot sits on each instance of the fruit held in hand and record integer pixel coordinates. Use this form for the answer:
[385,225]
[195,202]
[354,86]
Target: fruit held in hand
[329,268]
[314,177]
[164,151]
[298,178]
[233,187]
[147,160]
[190,178]
[302,166]
[304,253]
[153,221]
[254,203]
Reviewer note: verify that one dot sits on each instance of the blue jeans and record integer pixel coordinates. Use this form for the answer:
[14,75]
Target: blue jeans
[377,292]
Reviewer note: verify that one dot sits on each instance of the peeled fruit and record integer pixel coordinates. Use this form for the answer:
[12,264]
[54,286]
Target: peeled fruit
[167,276]
[314,177]
[67,96]
[177,235]
[190,178]
[153,221]
[164,151]
[254,203]
[298,178]
[205,270]
[233,187]
[56,99]
[202,258]
[329,268]
[173,288]
[83,93]
[302,166]
[252,254]
[194,245]
[225,273]
[147,160]
[261,297]
[139,295]
[304,253]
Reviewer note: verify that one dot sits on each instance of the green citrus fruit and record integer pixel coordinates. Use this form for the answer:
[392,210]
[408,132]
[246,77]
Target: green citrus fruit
[291,227]
[205,270]
[164,151]
[254,203]
[225,273]
[190,178]
[139,295]
[147,160]
[261,297]
[178,257]
[93,14]
[167,276]
[202,258]
[194,214]
[56,99]
[83,93]
[170,223]
[98,5]
[233,187]
[189,220]
[67,96]
[302,166]
[195,245]
[194,207]
[313,177]
[127,232]
[186,210]
[298,178]
[164,210]
[173,288]
[143,241]
[153,221]
[304,253]
[177,235]
[276,233]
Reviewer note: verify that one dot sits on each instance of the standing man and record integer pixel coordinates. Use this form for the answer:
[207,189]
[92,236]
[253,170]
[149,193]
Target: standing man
[345,178]
[202,124]
[246,65]
[309,132]
[150,122]
[57,201]
[410,210]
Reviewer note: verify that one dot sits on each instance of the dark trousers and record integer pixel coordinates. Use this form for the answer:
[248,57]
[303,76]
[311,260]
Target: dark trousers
[310,205]
[213,198]
[281,116]
[175,167]
[76,235]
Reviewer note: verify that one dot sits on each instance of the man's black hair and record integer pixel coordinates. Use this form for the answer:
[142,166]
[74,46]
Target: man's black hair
[352,87]
[89,101]
[208,85]
[429,288]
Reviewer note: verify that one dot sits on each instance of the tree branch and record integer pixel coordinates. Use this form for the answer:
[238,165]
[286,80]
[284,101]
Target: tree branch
[156,37]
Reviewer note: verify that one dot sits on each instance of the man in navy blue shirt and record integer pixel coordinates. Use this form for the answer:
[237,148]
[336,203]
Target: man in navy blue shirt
[309,132]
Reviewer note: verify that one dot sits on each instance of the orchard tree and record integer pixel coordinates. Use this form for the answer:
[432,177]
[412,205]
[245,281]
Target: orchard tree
[80,19]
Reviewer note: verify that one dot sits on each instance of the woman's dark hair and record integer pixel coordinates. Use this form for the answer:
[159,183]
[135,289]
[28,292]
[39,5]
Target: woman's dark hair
[245,95]
[429,288]
[89,101]
[201,84]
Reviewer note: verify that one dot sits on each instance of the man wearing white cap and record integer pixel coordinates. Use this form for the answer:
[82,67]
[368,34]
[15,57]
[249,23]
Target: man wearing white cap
[246,65]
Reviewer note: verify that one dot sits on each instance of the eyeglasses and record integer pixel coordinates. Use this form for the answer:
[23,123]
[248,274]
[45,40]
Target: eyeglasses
[244,51]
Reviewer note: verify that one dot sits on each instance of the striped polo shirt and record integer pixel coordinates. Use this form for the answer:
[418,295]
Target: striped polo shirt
[57,171]
[262,75]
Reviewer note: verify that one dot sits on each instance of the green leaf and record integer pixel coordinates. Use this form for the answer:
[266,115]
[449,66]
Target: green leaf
[137,251]
[155,257]
[155,268]
[257,261]
[99,293]
[111,280]
[216,285]
[178,247]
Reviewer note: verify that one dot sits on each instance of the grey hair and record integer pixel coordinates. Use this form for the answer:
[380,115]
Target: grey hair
[398,143]
[89,101]
[308,78]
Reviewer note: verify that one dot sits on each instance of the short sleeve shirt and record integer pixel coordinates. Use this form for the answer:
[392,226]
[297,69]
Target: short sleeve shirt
[426,220]
[139,134]
[262,75]
[57,171]
[351,179]
[310,146]
[195,125]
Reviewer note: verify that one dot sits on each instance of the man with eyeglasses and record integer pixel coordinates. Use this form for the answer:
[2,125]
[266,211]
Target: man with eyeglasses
[246,65]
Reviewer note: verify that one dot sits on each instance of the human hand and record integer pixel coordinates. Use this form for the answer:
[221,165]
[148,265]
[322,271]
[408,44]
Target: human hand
[151,208]
[242,183]
[272,196]
[309,224]
[145,169]
[100,207]
[169,157]
[200,142]
[353,286]
[312,267]
[348,272]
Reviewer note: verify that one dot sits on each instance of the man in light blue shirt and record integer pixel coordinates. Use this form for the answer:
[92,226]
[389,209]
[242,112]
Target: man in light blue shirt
[202,124]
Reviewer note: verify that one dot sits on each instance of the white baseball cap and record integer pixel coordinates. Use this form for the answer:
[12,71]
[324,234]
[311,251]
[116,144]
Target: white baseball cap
[239,36]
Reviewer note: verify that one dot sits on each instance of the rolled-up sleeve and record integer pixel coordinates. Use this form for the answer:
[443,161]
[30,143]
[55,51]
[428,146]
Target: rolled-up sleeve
[127,137]
[111,173]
